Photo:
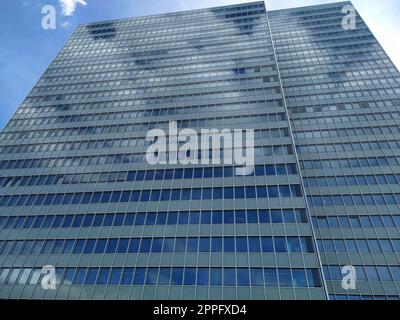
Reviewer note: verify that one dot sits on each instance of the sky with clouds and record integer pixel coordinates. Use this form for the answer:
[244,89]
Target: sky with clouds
[27,50]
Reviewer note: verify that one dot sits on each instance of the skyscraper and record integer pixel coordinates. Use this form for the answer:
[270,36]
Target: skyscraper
[342,96]
[78,195]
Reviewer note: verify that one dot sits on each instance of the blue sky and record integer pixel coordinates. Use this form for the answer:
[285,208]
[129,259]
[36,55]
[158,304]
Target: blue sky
[26,49]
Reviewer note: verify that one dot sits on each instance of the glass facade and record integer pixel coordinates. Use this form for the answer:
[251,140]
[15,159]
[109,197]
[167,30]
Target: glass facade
[342,94]
[77,193]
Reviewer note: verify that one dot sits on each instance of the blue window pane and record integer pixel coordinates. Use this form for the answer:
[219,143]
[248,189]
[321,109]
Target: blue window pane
[91,276]
[176,194]
[229,277]
[151,219]
[276,216]
[161,218]
[165,195]
[152,275]
[299,278]
[288,216]
[180,245]
[217,193]
[257,277]
[68,246]
[186,193]
[177,276]
[254,244]
[264,216]
[129,219]
[285,277]
[314,279]
[145,245]
[108,220]
[139,276]
[216,217]
[127,276]
[204,244]
[98,220]
[155,195]
[100,246]
[267,244]
[111,246]
[88,220]
[293,244]
[250,192]
[119,219]
[172,218]
[216,276]
[216,244]
[140,219]
[240,216]
[122,245]
[241,244]
[192,244]
[243,278]
[168,245]
[190,276]
[145,196]
[69,276]
[262,192]
[105,198]
[134,246]
[79,276]
[183,218]
[280,244]
[89,246]
[202,276]
[273,192]
[229,217]
[157,245]
[164,276]
[229,244]
[205,217]
[96,197]
[252,216]
[78,246]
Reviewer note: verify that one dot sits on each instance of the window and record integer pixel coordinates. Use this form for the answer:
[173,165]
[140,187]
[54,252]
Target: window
[127,276]
[122,245]
[280,244]
[190,276]
[229,277]
[267,244]
[285,277]
[89,246]
[299,278]
[271,278]
[91,276]
[134,246]
[80,276]
[177,276]
[78,248]
[115,276]
[241,244]
[102,278]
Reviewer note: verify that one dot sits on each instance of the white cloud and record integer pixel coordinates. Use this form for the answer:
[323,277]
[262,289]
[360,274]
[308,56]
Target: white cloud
[66,25]
[68,6]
